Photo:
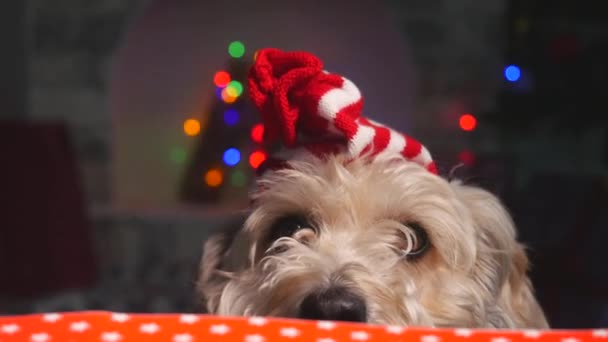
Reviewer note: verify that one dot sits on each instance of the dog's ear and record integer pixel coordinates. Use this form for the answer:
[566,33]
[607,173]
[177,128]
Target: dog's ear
[502,264]
[216,264]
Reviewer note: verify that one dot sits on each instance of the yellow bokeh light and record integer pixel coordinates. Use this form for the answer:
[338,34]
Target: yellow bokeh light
[232,91]
[227,97]
[192,127]
[522,25]
[214,178]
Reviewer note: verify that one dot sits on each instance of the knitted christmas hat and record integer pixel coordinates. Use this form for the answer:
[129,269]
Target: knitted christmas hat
[307,108]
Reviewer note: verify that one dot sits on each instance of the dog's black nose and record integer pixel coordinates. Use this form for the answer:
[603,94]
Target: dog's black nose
[334,304]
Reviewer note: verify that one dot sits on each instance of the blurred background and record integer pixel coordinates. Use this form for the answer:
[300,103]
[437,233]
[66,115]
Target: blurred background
[126,136]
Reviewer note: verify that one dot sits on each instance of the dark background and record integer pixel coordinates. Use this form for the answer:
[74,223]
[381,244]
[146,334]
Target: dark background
[90,220]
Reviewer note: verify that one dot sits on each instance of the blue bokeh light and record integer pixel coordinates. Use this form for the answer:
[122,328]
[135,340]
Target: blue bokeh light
[232,156]
[231,117]
[512,73]
[218,92]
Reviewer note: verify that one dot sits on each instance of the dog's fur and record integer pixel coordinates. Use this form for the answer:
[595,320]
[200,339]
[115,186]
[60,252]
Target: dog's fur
[474,275]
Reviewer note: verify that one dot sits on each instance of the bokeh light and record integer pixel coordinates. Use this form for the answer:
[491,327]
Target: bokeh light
[221,78]
[214,178]
[257,133]
[512,73]
[178,155]
[231,117]
[192,127]
[256,159]
[232,156]
[238,178]
[237,86]
[522,25]
[218,92]
[231,91]
[466,157]
[227,97]
[468,122]
[236,49]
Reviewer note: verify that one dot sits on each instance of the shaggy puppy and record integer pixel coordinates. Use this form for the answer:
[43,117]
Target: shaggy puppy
[362,233]
[380,242]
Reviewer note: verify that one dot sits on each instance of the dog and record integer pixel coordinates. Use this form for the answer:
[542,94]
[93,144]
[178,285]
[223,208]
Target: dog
[380,242]
[359,226]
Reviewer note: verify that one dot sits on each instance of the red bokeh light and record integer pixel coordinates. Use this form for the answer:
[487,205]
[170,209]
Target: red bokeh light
[221,78]
[256,159]
[468,122]
[466,157]
[565,48]
[257,133]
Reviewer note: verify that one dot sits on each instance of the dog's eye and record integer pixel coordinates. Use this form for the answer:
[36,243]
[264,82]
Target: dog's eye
[287,226]
[420,242]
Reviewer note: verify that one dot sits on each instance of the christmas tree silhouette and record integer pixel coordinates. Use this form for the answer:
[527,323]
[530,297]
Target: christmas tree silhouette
[226,155]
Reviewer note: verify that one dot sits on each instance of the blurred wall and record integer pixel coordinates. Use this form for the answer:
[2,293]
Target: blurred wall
[457,48]
[13,60]
[162,73]
[70,46]
[123,74]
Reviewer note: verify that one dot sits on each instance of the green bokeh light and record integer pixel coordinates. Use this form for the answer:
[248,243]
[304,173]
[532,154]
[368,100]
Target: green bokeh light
[178,155]
[236,85]
[238,178]
[236,49]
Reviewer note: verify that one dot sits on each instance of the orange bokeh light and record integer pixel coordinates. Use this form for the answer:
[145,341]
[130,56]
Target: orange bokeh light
[221,78]
[227,97]
[257,133]
[232,92]
[214,178]
[468,122]
[256,159]
[192,127]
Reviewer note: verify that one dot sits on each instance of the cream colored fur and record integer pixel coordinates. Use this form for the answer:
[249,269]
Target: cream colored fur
[475,274]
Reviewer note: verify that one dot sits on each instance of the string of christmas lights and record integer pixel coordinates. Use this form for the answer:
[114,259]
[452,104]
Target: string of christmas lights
[229,89]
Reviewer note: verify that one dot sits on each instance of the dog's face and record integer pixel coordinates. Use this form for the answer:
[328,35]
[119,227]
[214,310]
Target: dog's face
[379,242]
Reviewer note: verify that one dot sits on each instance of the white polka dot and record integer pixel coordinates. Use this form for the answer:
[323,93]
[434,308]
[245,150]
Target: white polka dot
[111,336]
[290,332]
[600,333]
[120,317]
[254,338]
[325,339]
[188,319]
[51,317]
[359,336]
[394,329]
[500,339]
[40,337]
[149,328]
[429,338]
[326,325]
[258,321]
[570,339]
[463,332]
[10,328]
[183,338]
[79,326]
[530,333]
[219,329]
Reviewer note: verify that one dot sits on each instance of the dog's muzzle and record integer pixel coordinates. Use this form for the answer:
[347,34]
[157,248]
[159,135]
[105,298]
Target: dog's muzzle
[333,304]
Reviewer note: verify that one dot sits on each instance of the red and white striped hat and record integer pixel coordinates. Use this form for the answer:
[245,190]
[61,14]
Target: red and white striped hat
[308,108]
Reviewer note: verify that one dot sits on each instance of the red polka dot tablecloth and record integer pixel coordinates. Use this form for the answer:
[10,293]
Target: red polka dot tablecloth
[123,327]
